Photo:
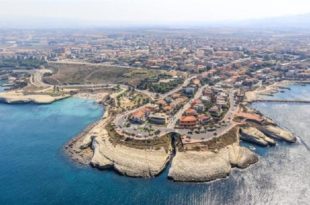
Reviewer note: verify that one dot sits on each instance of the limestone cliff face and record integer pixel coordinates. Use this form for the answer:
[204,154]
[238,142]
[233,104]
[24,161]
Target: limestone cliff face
[127,160]
[206,166]
[252,134]
[195,166]
[240,157]
[13,97]
[281,133]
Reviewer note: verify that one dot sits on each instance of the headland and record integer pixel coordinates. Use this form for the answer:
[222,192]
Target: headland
[195,124]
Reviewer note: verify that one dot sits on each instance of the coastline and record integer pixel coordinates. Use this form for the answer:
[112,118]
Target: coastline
[261,92]
[96,151]
[14,97]
[93,146]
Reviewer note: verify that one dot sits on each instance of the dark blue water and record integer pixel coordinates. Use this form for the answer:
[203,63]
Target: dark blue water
[34,170]
[1,83]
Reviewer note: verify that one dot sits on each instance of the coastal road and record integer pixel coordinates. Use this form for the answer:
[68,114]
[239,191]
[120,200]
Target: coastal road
[36,78]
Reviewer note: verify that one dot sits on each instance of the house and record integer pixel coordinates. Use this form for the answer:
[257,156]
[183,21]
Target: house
[168,100]
[215,111]
[158,118]
[189,112]
[140,115]
[196,101]
[137,117]
[208,92]
[206,99]
[188,121]
[199,107]
[189,91]
[203,119]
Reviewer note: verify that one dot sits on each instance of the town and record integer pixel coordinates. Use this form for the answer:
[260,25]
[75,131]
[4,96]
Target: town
[173,91]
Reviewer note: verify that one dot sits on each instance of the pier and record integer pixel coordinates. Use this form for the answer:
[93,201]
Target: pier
[284,101]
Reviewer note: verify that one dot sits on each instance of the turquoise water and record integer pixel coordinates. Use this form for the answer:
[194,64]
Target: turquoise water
[34,169]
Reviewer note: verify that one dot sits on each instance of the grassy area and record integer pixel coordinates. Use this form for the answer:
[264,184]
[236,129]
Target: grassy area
[130,100]
[222,141]
[156,143]
[21,63]
[81,74]
[161,83]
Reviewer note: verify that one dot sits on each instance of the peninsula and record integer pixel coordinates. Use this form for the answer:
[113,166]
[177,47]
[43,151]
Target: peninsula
[191,113]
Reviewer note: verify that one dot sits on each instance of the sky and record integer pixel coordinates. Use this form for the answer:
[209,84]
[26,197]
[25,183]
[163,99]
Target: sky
[151,11]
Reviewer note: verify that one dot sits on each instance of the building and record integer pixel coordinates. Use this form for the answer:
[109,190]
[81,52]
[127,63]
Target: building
[140,115]
[137,117]
[189,112]
[189,91]
[206,99]
[158,118]
[188,121]
[200,108]
[203,119]
[195,102]
[215,111]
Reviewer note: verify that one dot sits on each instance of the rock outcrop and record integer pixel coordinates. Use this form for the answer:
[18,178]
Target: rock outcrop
[251,134]
[126,160]
[278,133]
[193,166]
[14,97]
[241,157]
[201,166]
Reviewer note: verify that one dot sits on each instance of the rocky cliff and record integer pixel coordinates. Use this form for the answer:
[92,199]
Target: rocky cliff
[206,166]
[127,160]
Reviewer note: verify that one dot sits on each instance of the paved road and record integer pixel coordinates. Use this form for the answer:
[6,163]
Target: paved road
[36,79]
[120,120]
[87,63]
[178,115]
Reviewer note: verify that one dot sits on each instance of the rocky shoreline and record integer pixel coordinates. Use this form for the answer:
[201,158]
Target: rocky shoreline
[263,91]
[203,166]
[96,146]
[14,97]
[93,147]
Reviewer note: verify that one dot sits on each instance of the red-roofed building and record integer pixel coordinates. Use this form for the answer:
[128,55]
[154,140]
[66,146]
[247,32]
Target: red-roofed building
[195,102]
[188,121]
[137,117]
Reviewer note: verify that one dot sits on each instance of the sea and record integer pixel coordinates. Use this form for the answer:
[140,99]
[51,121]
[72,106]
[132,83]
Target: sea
[35,171]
